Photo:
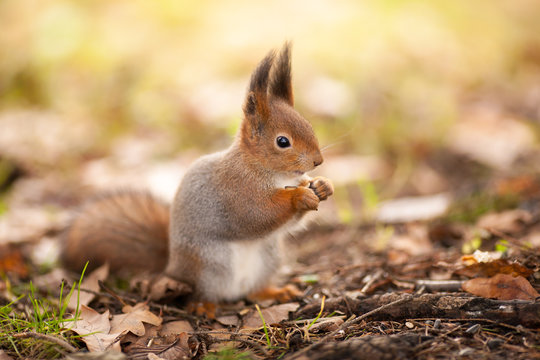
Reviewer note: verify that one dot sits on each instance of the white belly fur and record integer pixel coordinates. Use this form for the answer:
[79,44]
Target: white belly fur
[248,269]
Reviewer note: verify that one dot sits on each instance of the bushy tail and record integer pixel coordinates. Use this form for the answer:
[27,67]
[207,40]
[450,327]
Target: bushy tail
[127,229]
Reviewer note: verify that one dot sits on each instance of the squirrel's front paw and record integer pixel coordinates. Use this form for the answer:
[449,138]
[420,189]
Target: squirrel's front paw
[305,199]
[322,187]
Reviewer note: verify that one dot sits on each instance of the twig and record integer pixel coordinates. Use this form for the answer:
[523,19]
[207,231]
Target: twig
[60,342]
[105,288]
[436,285]
[174,310]
[217,332]
[351,321]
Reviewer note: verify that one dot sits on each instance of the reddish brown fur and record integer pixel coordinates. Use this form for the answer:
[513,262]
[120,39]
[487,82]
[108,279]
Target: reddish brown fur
[129,230]
[282,294]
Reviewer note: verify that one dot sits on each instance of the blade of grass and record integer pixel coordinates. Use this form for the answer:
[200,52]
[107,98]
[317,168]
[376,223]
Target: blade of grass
[318,315]
[264,325]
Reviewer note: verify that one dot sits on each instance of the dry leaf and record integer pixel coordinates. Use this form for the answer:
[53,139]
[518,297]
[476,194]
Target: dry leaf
[509,222]
[271,315]
[160,287]
[501,287]
[492,268]
[4,356]
[175,328]
[490,138]
[133,318]
[527,185]
[153,356]
[158,335]
[12,261]
[228,320]
[89,282]
[150,334]
[95,328]
[180,349]
[106,355]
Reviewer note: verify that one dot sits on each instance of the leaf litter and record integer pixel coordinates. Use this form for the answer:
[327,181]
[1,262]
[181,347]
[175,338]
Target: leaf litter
[483,304]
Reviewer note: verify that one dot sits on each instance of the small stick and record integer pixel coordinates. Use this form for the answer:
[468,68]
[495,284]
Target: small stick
[60,342]
[103,287]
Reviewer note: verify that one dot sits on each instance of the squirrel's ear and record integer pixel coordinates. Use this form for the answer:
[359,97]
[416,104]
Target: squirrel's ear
[280,84]
[257,96]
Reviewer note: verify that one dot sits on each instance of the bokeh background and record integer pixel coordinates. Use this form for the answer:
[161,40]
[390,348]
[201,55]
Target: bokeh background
[409,98]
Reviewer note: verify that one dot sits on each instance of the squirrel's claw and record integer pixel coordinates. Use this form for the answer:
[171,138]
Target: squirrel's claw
[322,187]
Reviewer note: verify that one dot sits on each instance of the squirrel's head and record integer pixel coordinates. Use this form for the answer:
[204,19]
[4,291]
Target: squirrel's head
[273,132]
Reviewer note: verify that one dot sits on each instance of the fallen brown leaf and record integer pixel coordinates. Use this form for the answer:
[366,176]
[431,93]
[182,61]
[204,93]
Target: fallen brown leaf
[4,356]
[133,318]
[156,335]
[95,328]
[509,222]
[105,355]
[175,328]
[271,315]
[181,348]
[501,287]
[228,320]
[492,268]
[150,334]
[527,185]
[12,261]
[160,287]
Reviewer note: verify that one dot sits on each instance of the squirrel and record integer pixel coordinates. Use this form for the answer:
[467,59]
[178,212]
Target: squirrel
[220,234]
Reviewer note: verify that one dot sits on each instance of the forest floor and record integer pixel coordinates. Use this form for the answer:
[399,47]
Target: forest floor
[430,125]
[446,267]
[453,287]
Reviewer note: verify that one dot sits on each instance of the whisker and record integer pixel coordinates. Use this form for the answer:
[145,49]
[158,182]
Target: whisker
[331,145]
[338,141]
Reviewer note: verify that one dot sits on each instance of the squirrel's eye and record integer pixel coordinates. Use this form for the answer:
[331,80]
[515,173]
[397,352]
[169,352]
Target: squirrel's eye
[283,142]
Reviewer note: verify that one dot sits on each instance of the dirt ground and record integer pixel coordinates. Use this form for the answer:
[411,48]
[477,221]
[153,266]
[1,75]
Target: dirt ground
[428,116]
[370,291]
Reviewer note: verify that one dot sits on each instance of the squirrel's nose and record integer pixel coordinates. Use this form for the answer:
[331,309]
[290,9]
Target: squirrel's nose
[318,160]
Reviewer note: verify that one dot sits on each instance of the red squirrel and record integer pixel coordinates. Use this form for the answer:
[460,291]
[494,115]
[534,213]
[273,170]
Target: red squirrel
[221,232]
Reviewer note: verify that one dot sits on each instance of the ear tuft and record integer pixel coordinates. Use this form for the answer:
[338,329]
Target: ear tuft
[257,97]
[281,85]
[250,105]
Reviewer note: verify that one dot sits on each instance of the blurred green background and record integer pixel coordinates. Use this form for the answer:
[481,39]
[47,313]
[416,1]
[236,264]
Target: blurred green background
[381,78]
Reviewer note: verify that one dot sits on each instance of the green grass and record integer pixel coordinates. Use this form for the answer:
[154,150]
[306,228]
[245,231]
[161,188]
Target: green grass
[318,315]
[269,343]
[470,208]
[34,327]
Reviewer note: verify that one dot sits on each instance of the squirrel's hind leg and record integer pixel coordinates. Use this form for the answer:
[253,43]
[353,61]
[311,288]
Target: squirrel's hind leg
[283,294]
[203,308]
